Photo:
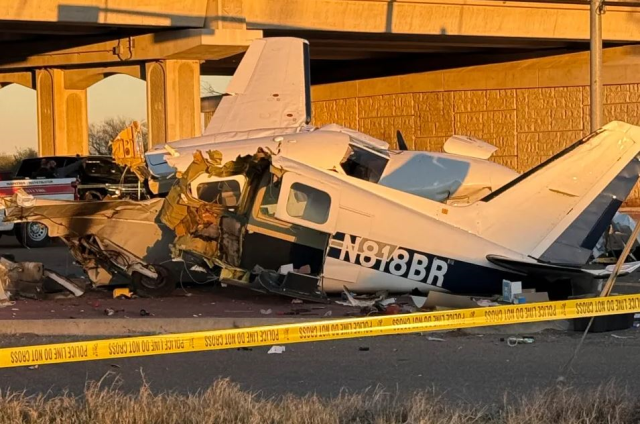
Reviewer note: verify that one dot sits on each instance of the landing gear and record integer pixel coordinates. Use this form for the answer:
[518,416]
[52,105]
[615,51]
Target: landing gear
[146,286]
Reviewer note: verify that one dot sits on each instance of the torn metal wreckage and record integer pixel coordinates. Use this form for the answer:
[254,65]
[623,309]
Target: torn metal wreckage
[33,281]
[266,201]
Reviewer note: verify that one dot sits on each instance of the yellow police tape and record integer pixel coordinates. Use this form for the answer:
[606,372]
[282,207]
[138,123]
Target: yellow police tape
[315,331]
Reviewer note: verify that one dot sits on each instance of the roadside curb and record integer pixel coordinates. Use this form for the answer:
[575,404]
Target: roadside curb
[149,326]
[133,326]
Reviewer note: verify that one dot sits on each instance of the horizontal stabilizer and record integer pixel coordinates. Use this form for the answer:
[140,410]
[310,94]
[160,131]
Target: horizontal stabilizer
[558,211]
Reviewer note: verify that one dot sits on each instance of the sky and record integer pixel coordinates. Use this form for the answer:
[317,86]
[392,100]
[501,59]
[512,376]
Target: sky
[119,95]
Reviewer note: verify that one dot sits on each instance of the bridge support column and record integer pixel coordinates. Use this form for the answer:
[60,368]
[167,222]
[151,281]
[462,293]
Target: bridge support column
[63,127]
[173,100]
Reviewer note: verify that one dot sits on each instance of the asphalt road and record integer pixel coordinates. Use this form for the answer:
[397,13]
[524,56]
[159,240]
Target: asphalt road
[470,368]
[463,367]
[55,257]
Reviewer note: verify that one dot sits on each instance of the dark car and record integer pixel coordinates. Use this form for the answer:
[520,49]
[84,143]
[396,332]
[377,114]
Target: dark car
[98,177]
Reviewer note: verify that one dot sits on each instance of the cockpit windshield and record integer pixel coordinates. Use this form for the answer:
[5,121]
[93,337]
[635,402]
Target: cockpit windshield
[362,163]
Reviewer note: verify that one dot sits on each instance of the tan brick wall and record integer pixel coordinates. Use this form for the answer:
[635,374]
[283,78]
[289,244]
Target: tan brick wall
[526,124]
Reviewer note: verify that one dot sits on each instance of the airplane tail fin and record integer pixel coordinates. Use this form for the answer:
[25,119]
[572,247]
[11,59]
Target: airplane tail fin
[557,212]
[269,90]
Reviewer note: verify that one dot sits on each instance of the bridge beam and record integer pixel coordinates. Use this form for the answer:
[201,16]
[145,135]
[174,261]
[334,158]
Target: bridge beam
[190,44]
[173,100]
[62,115]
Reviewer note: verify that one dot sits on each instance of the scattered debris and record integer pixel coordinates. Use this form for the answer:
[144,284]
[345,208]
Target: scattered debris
[485,303]
[510,291]
[363,348]
[64,282]
[4,298]
[27,280]
[514,341]
[34,367]
[328,314]
[360,301]
[5,303]
[435,339]
[109,312]
[297,301]
[122,293]
[144,313]
[393,309]
[626,269]
[613,240]
[276,349]
[265,311]
[60,296]
[615,336]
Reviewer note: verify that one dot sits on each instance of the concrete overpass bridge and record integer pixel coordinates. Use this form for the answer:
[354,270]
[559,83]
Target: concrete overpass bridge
[62,47]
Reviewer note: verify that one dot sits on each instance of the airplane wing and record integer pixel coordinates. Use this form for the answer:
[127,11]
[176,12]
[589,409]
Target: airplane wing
[534,268]
[557,211]
[269,91]
[557,271]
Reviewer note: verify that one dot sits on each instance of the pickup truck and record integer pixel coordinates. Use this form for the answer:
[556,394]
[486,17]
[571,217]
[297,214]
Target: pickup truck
[34,234]
[98,177]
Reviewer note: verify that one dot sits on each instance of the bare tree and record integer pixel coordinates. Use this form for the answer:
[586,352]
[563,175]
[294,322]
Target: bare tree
[10,163]
[102,134]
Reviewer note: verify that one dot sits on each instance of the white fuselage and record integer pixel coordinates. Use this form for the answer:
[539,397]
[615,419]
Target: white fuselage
[436,176]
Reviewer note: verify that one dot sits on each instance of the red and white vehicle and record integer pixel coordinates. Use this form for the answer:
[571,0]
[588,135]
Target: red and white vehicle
[34,234]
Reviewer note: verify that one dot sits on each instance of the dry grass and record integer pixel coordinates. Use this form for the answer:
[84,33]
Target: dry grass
[224,402]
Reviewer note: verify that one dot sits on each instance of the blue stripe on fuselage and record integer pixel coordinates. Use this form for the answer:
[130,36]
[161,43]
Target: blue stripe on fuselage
[423,268]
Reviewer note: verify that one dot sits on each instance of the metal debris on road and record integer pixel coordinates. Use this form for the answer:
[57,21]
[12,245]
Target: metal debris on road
[122,293]
[276,349]
[615,336]
[514,341]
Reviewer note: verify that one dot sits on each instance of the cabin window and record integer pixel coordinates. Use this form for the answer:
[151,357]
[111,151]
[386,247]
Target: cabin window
[225,193]
[363,164]
[308,203]
[269,200]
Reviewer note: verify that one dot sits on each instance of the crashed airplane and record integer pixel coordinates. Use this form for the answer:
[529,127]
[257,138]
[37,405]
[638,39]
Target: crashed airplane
[264,201]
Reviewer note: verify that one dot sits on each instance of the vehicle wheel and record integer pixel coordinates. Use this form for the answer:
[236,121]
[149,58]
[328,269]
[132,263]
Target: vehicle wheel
[145,286]
[32,234]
